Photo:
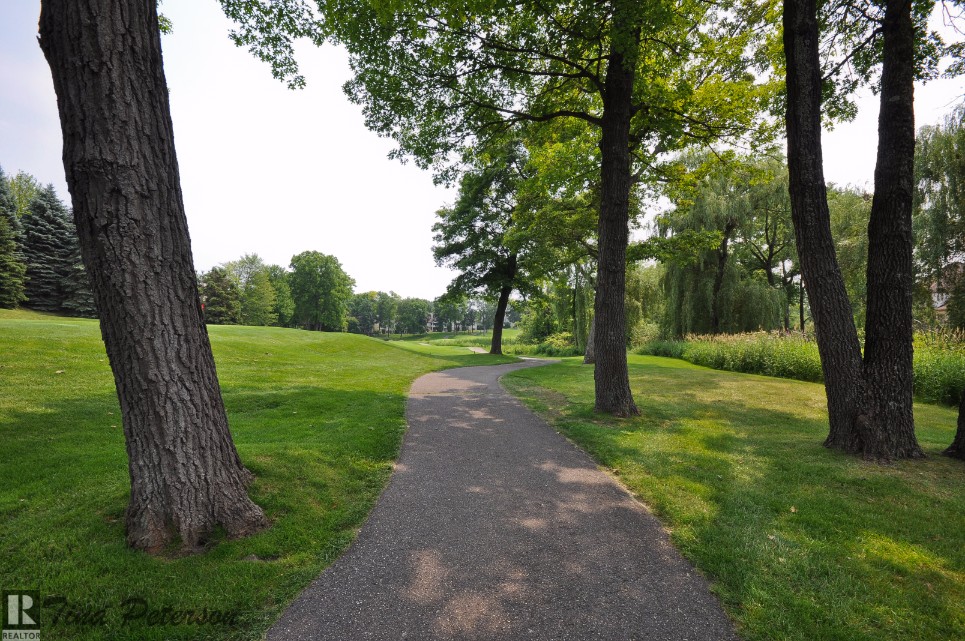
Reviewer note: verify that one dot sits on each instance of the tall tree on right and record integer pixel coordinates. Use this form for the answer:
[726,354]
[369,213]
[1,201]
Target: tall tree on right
[870,398]
[886,427]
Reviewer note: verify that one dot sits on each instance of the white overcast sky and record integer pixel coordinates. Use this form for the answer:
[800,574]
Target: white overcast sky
[275,172]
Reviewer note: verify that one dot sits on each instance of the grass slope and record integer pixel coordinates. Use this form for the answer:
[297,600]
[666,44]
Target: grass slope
[317,417]
[800,542]
[464,339]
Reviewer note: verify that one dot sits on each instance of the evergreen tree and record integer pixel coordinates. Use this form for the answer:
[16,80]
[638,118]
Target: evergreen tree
[221,297]
[56,278]
[48,245]
[78,298]
[12,268]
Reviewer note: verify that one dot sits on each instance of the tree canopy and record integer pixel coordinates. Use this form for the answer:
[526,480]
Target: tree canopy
[321,290]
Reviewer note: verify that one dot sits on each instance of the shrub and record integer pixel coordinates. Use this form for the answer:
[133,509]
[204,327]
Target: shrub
[559,344]
[939,366]
[669,349]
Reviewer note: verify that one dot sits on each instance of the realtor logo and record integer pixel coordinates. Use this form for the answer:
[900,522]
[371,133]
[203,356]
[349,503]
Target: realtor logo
[21,616]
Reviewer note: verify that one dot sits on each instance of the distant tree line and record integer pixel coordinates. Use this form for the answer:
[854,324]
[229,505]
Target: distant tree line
[315,293]
[40,262]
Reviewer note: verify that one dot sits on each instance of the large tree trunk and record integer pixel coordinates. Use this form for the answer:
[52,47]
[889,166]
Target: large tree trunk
[837,337]
[611,374]
[496,346]
[186,477]
[885,429]
[957,448]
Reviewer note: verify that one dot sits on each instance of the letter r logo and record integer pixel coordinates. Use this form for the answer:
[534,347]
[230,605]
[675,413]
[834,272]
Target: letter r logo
[16,613]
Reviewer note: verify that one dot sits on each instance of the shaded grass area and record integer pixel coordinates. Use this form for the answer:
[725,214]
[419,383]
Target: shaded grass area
[317,417]
[800,542]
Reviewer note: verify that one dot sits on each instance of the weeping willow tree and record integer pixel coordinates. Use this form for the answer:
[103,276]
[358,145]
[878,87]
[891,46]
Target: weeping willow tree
[744,302]
[939,213]
[745,283]
[644,301]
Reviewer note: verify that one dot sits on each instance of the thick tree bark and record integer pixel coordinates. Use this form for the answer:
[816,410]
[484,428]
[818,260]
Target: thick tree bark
[611,374]
[187,479]
[496,346]
[957,448]
[837,337]
[885,428]
[589,354]
[722,254]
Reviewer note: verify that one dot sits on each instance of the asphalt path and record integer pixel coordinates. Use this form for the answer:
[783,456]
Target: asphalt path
[494,526]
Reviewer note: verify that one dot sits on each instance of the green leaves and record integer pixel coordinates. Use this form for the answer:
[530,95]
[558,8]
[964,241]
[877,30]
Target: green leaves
[471,235]
[268,28]
[321,290]
[683,247]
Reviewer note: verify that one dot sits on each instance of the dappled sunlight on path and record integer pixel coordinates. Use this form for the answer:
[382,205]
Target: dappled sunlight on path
[494,526]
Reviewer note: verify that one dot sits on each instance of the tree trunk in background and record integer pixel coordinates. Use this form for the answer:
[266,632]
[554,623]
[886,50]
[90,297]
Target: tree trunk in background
[801,307]
[611,374]
[957,448]
[589,354]
[719,277]
[885,430]
[187,479]
[496,346]
[834,326]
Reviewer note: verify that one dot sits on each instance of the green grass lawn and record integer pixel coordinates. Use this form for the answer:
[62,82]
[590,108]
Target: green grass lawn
[464,339]
[511,345]
[800,542]
[317,417]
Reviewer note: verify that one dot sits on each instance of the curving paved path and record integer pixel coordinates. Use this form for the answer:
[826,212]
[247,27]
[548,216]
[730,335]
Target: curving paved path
[496,527]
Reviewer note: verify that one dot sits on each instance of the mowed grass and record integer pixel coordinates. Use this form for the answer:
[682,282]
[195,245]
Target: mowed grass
[317,417]
[510,345]
[464,339]
[799,542]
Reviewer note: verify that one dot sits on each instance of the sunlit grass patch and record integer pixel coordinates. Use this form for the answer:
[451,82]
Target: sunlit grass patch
[800,542]
[317,417]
